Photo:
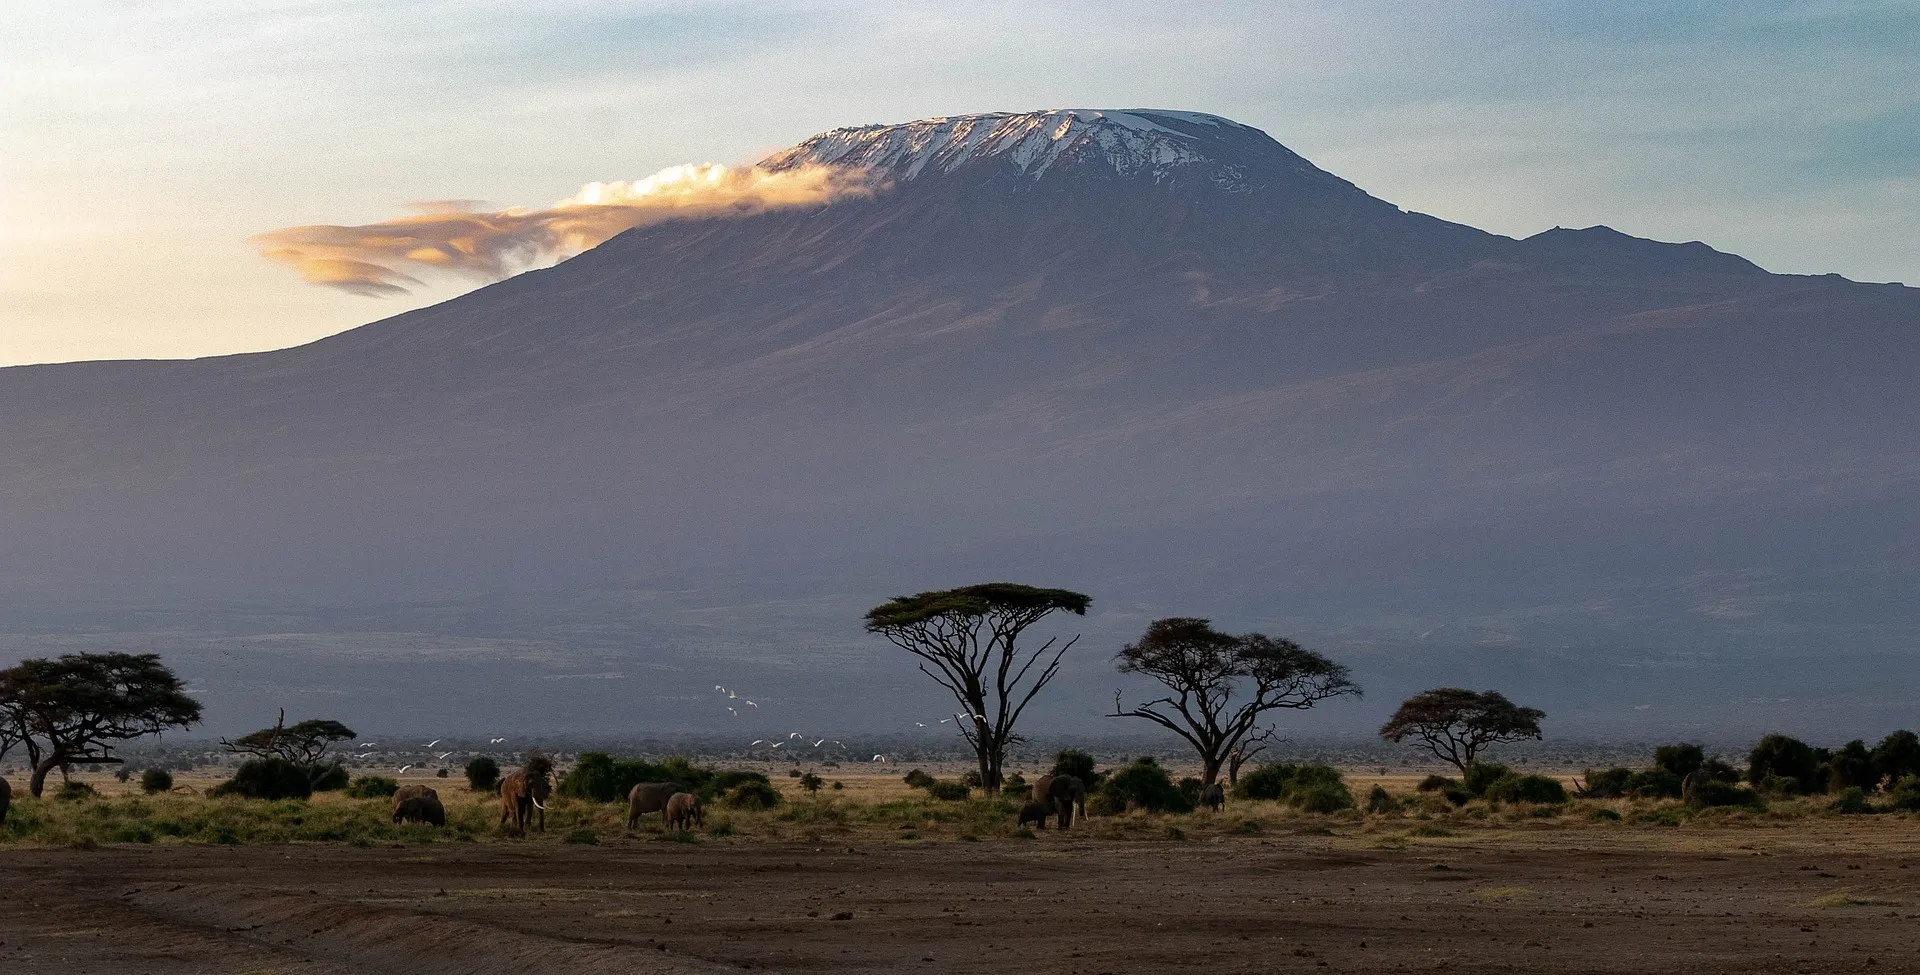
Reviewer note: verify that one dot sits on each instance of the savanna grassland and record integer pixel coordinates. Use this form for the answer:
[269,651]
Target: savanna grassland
[875,877]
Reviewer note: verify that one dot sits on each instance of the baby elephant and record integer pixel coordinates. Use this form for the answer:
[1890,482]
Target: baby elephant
[1213,797]
[683,811]
[420,809]
[1035,813]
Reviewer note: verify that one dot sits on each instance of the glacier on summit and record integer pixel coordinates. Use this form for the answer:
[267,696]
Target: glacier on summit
[1155,144]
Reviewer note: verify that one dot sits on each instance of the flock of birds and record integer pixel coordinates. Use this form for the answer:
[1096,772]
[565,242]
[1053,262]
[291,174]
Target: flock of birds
[361,750]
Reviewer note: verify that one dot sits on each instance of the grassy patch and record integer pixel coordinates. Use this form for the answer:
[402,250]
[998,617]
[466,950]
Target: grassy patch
[1846,898]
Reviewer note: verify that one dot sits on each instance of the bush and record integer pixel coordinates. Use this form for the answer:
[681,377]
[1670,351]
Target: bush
[1897,756]
[1190,787]
[156,780]
[1779,785]
[1852,768]
[1319,796]
[1783,757]
[483,774]
[812,782]
[917,779]
[972,779]
[1654,783]
[581,835]
[1714,793]
[1540,789]
[1482,774]
[597,776]
[1610,783]
[752,795]
[793,773]
[1906,794]
[838,785]
[1265,782]
[333,778]
[123,773]
[1852,801]
[1457,795]
[1604,816]
[1382,802]
[730,780]
[1013,782]
[372,787]
[947,790]
[267,778]
[1436,783]
[71,791]
[1680,760]
[1079,764]
[1141,785]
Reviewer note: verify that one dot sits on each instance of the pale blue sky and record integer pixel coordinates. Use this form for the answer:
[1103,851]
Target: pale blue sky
[141,143]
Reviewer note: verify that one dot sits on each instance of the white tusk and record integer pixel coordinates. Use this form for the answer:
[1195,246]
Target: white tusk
[537,805]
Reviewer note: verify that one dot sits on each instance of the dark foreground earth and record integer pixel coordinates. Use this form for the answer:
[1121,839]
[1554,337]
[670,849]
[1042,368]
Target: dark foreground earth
[1827,896]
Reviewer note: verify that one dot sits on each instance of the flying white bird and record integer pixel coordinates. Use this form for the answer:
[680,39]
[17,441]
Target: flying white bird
[777,744]
[750,703]
[368,744]
[920,724]
[443,755]
[432,743]
[757,741]
[817,744]
[945,720]
[717,687]
[403,768]
[795,735]
[878,758]
[733,711]
[731,695]
[495,741]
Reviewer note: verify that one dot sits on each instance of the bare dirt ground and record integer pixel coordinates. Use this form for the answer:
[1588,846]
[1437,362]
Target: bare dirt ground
[1823,896]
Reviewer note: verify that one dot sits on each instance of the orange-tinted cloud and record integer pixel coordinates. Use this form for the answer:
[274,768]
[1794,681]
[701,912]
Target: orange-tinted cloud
[450,236]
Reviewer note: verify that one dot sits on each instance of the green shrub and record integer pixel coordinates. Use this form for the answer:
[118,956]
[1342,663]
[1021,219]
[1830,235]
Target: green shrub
[1680,760]
[838,785]
[332,778]
[598,777]
[581,835]
[1779,785]
[1379,800]
[1190,787]
[1852,768]
[1897,756]
[1457,795]
[1480,774]
[1319,796]
[1604,816]
[1140,785]
[372,787]
[1436,783]
[725,782]
[812,783]
[156,780]
[1714,793]
[1780,756]
[793,773]
[267,778]
[1852,801]
[1079,764]
[1264,782]
[483,774]
[71,791]
[1654,783]
[1540,789]
[917,779]
[1610,783]
[972,779]
[948,790]
[1905,794]
[1013,782]
[752,795]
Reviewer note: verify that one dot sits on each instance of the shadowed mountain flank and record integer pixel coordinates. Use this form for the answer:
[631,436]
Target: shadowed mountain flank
[1154,356]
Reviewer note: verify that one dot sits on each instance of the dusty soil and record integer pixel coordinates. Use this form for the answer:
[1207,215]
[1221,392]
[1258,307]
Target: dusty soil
[1825,896]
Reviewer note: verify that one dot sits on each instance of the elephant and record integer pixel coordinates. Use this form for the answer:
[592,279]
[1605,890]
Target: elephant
[6,799]
[420,809]
[1035,813]
[1213,797]
[683,811]
[525,791]
[1064,794]
[647,797]
[406,792]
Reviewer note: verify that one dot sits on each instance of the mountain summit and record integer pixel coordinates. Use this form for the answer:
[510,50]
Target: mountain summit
[1153,356]
[1137,145]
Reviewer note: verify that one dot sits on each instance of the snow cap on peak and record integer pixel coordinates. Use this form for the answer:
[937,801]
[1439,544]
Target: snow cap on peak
[1153,144]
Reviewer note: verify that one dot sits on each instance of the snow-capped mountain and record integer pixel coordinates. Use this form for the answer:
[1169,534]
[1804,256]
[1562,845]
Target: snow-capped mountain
[1153,356]
[1155,145]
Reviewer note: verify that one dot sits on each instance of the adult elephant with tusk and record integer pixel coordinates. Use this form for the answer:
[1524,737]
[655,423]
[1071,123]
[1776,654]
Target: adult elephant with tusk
[525,791]
[1066,795]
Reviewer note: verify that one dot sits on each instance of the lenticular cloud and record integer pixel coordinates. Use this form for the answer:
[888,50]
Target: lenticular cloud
[451,237]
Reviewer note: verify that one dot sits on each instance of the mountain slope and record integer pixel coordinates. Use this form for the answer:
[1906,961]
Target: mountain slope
[1153,355]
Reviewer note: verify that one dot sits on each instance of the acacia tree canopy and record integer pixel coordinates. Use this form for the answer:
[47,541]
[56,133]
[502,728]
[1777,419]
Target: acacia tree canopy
[1222,684]
[1455,724]
[303,744]
[967,641]
[74,708]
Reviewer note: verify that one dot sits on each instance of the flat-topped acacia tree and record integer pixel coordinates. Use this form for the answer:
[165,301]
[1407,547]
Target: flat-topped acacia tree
[1221,684]
[967,641]
[1455,723]
[75,708]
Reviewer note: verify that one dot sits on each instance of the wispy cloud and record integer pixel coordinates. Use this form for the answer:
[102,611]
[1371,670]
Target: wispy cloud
[453,237]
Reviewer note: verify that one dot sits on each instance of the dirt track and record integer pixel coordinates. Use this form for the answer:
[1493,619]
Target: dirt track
[1582,902]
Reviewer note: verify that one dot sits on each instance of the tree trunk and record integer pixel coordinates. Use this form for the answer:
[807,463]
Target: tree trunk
[38,783]
[1209,769]
[989,769]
